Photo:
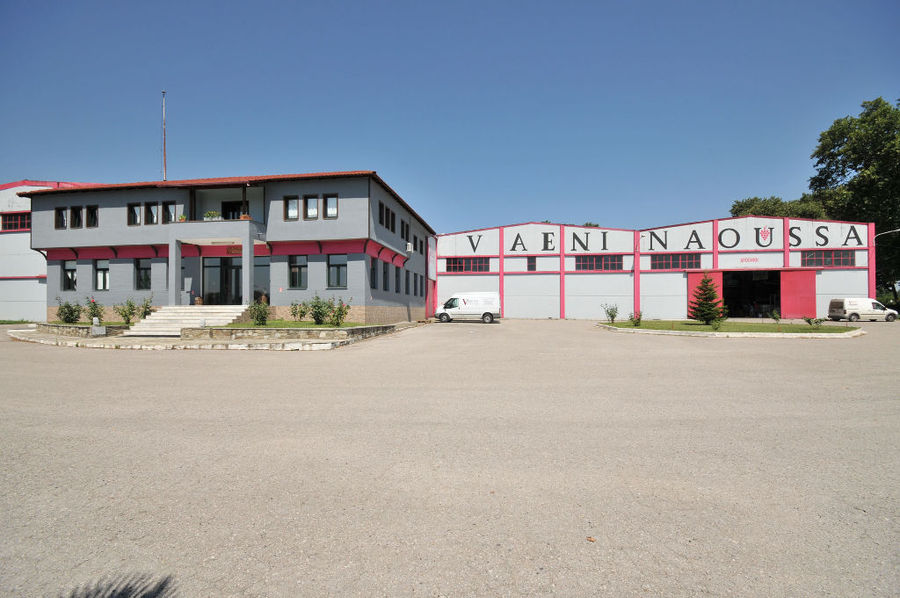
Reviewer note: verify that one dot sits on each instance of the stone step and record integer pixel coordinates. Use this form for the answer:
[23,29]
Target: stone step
[170,319]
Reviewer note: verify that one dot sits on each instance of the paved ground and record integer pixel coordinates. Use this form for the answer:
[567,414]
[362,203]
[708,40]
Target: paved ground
[458,460]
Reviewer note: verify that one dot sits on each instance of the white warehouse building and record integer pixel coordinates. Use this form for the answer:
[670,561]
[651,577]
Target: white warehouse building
[543,270]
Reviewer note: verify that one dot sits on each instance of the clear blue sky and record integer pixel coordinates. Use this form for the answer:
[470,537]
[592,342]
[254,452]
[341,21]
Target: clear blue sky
[629,114]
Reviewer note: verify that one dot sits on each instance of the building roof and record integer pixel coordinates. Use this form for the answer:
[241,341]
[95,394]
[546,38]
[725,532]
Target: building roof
[226,182]
[51,184]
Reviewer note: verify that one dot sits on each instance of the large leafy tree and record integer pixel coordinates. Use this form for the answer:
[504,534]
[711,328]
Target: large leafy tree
[807,206]
[858,177]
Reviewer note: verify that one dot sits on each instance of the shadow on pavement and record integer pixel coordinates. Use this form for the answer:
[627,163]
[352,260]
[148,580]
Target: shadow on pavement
[131,586]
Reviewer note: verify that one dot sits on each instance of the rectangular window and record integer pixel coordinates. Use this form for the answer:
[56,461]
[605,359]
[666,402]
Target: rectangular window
[385,276]
[134,214]
[311,207]
[396,279]
[337,271]
[674,261]
[16,221]
[291,207]
[142,274]
[331,206]
[297,265]
[59,218]
[415,243]
[69,276]
[151,213]
[101,275]
[393,222]
[828,258]
[415,284]
[468,264]
[93,216]
[422,286]
[532,263]
[373,273]
[406,282]
[381,213]
[168,212]
[75,217]
[604,262]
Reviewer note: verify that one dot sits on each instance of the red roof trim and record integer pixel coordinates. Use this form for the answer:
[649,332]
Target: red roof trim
[51,184]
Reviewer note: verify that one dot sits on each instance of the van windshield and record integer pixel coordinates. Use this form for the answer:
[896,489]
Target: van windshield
[451,303]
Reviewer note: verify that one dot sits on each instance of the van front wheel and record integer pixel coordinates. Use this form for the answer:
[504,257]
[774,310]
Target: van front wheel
[487,318]
[444,318]
[890,317]
[854,318]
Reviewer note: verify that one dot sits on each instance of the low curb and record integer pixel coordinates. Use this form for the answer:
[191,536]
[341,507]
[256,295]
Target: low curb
[177,344]
[812,335]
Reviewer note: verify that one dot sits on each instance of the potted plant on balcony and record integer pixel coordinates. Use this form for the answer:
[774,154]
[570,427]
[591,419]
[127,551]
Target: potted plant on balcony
[245,217]
[182,218]
[212,215]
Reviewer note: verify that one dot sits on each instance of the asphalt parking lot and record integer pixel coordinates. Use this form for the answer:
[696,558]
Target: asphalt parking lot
[520,458]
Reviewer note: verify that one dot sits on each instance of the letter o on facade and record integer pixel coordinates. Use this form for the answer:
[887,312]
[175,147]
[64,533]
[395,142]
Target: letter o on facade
[737,238]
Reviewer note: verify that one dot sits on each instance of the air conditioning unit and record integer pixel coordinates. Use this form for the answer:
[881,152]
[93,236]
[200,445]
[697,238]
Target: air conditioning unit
[409,248]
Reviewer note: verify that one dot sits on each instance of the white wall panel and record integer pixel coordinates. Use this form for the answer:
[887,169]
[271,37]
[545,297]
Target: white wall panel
[23,300]
[834,284]
[673,239]
[809,234]
[664,295]
[751,233]
[598,240]
[531,296]
[460,283]
[586,294]
[480,242]
[529,239]
[751,260]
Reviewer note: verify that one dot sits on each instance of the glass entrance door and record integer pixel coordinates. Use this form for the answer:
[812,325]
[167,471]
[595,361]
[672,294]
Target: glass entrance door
[222,281]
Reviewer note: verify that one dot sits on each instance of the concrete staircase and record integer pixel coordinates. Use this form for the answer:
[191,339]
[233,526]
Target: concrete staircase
[170,319]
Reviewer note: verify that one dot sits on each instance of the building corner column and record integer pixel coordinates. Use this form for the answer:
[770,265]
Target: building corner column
[247,266]
[174,272]
[501,285]
[636,269]
[786,241]
[562,272]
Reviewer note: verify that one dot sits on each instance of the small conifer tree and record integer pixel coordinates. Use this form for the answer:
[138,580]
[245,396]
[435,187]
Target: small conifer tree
[706,305]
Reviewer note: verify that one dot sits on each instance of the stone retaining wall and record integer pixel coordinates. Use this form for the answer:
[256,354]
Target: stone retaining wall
[79,330]
[356,333]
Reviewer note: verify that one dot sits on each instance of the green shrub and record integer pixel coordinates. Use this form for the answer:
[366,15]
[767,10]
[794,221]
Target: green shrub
[612,311]
[259,312]
[145,309]
[68,312]
[320,310]
[126,311]
[814,322]
[94,310]
[775,315]
[339,313]
[635,318]
[299,310]
[717,323]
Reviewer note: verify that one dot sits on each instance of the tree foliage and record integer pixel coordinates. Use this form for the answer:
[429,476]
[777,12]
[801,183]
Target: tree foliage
[706,306]
[858,176]
[808,206]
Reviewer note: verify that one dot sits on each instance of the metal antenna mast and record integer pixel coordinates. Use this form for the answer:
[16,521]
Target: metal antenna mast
[164,132]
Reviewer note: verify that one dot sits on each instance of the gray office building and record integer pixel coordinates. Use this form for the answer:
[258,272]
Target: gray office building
[281,239]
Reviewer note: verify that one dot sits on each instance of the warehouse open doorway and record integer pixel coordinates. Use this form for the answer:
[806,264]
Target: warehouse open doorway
[751,294]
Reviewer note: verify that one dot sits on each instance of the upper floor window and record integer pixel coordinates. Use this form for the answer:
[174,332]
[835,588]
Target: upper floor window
[468,264]
[142,274]
[291,207]
[386,217]
[331,206]
[151,213]
[310,207]
[15,221]
[828,258]
[337,271]
[59,217]
[101,275]
[168,212]
[134,214]
[603,262]
[674,261]
[75,217]
[69,275]
[93,216]
[297,266]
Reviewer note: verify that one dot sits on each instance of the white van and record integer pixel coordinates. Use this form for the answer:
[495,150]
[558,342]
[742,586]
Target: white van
[470,306]
[855,308]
